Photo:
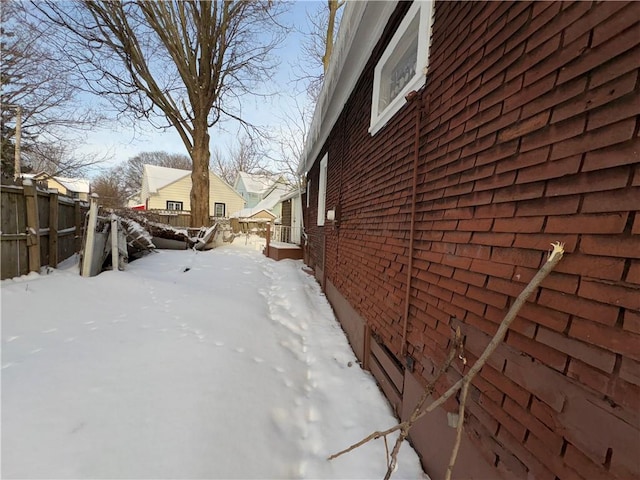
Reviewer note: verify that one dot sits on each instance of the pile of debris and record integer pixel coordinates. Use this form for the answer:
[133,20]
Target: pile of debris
[132,234]
[179,238]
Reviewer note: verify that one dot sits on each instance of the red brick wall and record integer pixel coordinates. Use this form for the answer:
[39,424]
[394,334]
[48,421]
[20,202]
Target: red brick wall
[528,135]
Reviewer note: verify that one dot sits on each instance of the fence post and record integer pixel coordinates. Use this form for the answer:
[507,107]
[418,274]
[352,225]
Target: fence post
[115,254]
[268,238]
[87,254]
[77,219]
[53,228]
[33,225]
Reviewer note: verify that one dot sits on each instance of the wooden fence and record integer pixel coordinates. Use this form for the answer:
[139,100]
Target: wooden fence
[39,228]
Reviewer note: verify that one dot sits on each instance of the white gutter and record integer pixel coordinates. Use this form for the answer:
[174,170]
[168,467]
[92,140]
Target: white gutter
[360,29]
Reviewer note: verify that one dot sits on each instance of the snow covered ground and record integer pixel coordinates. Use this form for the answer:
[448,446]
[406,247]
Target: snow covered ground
[219,364]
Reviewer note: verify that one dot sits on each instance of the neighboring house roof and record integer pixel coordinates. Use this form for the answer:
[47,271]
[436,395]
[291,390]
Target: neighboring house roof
[267,203]
[360,29]
[79,185]
[256,183]
[251,212]
[160,177]
[292,194]
[272,198]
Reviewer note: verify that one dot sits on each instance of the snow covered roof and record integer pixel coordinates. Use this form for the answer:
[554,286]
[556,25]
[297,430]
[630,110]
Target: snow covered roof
[159,177]
[250,212]
[267,203]
[273,197]
[290,195]
[256,182]
[79,185]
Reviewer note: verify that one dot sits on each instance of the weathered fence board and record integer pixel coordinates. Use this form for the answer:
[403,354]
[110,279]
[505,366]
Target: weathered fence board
[38,228]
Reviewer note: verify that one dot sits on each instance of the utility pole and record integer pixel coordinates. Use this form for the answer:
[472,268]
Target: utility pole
[16,150]
[18,135]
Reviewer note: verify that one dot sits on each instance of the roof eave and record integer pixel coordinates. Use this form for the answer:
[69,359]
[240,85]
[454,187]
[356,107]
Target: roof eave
[361,27]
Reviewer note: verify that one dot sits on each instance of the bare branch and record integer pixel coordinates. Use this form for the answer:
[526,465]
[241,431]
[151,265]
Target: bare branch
[464,383]
[183,62]
[43,88]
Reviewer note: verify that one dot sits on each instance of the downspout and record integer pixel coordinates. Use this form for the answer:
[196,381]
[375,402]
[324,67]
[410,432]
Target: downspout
[412,96]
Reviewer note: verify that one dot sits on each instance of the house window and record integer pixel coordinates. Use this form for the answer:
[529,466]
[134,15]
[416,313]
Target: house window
[219,209]
[322,190]
[173,205]
[403,64]
[308,191]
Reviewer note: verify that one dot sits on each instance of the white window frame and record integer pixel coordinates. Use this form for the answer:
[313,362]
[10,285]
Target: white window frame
[172,204]
[423,10]
[215,207]
[322,190]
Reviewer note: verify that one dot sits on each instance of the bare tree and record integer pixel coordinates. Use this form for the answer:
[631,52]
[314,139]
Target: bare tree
[187,63]
[288,144]
[334,6]
[317,46]
[246,156]
[58,158]
[130,172]
[42,88]
[110,189]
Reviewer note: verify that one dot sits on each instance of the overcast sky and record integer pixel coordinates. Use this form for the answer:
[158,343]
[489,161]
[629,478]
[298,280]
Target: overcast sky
[121,143]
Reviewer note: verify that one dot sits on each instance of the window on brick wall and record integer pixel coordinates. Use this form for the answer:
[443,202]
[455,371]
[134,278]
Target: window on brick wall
[322,190]
[402,67]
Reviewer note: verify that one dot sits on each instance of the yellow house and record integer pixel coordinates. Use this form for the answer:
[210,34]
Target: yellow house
[170,188]
[71,187]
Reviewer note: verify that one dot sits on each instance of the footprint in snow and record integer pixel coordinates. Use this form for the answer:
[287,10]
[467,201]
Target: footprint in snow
[239,349]
[313,415]
[51,330]
[11,339]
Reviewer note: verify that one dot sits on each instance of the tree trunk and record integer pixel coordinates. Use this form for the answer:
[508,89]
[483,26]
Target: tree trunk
[328,48]
[200,175]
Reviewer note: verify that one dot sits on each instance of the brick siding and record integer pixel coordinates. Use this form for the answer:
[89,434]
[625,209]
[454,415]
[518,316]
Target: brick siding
[528,134]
